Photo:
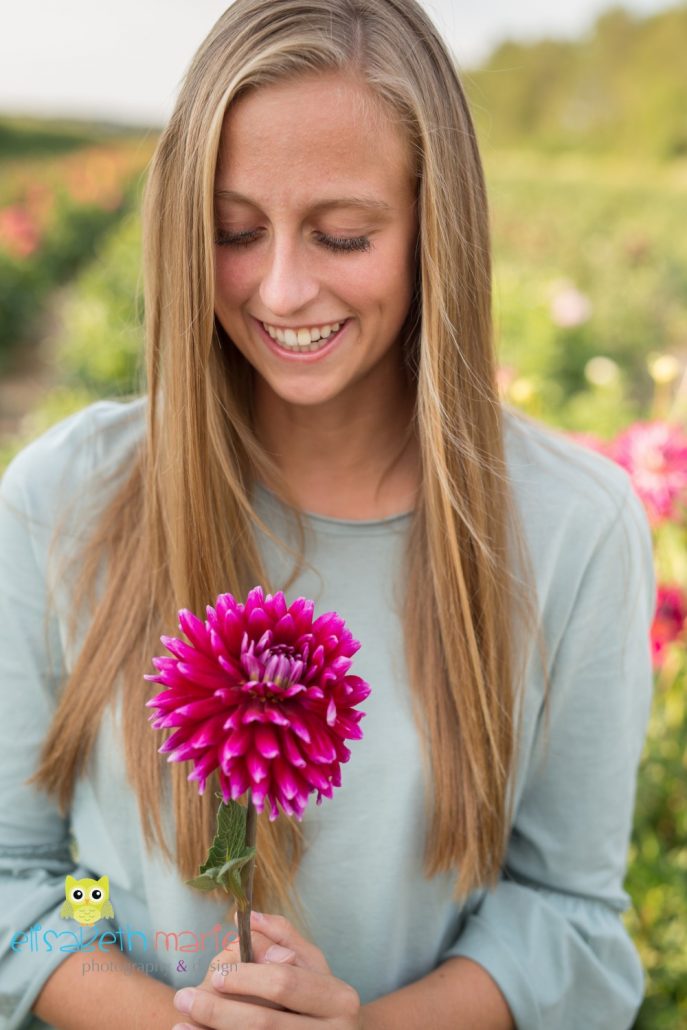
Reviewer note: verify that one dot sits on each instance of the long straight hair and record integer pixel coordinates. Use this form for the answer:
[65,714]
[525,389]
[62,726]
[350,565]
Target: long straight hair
[180,527]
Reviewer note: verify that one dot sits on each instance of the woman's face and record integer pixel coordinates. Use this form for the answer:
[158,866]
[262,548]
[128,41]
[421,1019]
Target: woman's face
[316,225]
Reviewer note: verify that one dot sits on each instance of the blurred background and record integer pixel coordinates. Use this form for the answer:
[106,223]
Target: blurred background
[582,117]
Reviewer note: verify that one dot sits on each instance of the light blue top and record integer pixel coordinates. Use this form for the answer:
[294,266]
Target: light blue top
[550,933]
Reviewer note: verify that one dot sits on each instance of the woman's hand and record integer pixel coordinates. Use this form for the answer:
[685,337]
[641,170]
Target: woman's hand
[288,989]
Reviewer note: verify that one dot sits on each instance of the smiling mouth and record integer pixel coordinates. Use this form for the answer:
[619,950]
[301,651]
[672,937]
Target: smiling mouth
[304,341]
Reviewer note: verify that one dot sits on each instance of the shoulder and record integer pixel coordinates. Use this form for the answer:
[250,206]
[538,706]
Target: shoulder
[560,486]
[68,460]
[580,516]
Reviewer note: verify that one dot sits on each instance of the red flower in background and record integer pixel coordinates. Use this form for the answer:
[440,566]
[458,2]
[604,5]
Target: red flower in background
[669,621]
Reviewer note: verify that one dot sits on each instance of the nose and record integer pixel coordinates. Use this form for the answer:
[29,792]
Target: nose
[289,281]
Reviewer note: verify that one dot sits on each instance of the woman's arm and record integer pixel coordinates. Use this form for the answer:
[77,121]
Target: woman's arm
[551,932]
[458,995]
[35,853]
[110,999]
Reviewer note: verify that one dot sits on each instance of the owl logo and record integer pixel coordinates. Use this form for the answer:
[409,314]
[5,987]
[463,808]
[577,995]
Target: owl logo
[87,900]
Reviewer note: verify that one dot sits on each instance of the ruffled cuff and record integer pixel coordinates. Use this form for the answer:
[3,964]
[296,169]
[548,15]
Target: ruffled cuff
[561,961]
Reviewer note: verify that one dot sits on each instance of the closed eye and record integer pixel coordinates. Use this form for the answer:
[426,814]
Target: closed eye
[337,243]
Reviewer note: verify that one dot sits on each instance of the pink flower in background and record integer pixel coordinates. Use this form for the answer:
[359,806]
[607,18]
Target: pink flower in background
[569,307]
[655,455]
[261,693]
[669,621]
[19,233]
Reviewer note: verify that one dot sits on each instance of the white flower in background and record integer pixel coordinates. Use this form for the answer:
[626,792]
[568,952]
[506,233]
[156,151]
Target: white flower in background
[569,306]
[601,371]
[522,390]
[663,368]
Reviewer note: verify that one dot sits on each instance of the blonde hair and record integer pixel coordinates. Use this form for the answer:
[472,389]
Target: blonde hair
[180,529]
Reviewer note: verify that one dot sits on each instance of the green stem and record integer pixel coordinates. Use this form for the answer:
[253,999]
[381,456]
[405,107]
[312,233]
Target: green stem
[243,914]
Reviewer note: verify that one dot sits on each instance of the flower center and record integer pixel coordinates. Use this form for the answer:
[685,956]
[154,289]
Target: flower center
[272,670]
[282,667]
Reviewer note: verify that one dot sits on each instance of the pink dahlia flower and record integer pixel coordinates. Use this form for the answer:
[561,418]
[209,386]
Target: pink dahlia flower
[655,455]
[669,621]
[261,693]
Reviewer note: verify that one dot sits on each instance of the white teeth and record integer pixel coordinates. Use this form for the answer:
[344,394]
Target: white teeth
[301,339]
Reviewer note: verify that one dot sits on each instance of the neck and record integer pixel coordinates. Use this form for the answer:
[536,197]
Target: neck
[355,456]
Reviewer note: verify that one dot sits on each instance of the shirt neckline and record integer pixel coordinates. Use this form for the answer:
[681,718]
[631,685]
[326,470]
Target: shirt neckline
[329,520]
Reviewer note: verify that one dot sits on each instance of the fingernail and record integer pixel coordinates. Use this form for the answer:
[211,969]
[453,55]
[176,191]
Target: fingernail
[217,980]
[278,954]
[184,999]
[259,917]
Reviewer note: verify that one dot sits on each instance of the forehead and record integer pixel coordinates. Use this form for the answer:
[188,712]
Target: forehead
[323,133]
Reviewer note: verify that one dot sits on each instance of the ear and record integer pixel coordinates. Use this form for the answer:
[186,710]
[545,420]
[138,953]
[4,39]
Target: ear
[104,882]
[69,883]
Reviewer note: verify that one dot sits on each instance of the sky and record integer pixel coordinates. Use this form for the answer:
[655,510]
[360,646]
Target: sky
[125,61]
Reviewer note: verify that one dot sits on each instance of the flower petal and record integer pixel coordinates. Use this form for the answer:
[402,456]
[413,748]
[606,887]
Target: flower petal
[266,741]
[257,766]
[237,744]
[195,630]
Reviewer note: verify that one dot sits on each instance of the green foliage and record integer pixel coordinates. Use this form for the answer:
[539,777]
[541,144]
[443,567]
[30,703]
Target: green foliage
[228,858]
[53,210]
[608,230]
[30,137]
[100,344]
[24,285]
[657,877]
[622,88]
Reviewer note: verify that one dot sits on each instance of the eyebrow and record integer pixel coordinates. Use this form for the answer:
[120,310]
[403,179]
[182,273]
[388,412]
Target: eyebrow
[367,203]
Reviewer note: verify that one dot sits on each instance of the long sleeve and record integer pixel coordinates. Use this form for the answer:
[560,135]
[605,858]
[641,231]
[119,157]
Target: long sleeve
[35,854]
[550,933]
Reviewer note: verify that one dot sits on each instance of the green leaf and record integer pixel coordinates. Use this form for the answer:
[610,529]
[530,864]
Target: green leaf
[237,863]
[228,856]
[206,882]
[230,835]
[230,875]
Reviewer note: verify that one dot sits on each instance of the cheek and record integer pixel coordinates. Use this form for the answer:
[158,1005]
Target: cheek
[234,278]
[396,269]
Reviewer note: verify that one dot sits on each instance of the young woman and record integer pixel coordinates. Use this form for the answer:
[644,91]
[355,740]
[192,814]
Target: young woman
[321,416]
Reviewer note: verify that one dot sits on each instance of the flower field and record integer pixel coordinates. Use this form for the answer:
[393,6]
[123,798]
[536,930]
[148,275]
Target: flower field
[590,299]
[53,209]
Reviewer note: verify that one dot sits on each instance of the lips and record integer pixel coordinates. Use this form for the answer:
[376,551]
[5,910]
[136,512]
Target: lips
[304,357]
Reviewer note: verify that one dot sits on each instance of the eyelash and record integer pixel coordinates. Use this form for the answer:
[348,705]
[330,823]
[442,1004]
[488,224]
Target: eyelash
[336,243]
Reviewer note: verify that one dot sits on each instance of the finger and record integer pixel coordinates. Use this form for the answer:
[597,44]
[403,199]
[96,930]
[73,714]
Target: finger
[299,991]
[261,946]
[280,931]
[231,956]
